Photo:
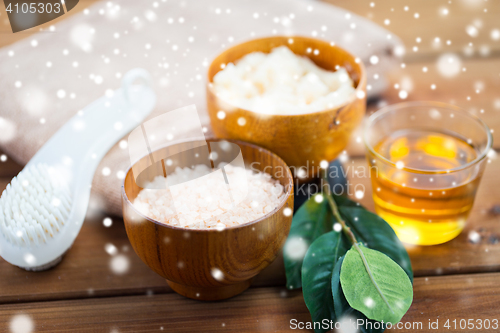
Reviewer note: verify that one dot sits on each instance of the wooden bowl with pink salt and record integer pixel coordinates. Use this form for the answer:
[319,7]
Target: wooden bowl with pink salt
[208,216]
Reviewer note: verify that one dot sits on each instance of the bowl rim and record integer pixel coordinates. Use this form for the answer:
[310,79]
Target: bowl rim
[359,88]
[289,192]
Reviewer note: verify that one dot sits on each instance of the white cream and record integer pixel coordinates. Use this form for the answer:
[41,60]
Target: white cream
[282,83]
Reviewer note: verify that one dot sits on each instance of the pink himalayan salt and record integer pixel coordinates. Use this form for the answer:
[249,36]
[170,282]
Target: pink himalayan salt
[201,200]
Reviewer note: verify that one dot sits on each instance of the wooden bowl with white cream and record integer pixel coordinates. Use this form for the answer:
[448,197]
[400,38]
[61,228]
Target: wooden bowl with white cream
[304,133]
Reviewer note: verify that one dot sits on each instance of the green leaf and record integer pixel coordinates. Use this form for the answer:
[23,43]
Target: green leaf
[341,306]
[312,220]
[374,232]
[375,285]
[317,274]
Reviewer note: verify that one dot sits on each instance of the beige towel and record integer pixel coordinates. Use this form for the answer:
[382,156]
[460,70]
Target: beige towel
[45,79]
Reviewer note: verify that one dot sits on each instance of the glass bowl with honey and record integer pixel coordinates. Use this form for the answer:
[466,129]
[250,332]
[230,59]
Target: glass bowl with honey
[426,161]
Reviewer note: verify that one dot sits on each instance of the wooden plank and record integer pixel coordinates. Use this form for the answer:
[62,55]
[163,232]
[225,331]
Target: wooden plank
[432,23]
[86,272]
[8,169]
[459,255]
[86,269]
[256,310]
[474,89]
[459,91]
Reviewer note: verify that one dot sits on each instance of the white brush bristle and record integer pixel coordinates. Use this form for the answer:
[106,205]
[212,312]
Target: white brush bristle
[34,207]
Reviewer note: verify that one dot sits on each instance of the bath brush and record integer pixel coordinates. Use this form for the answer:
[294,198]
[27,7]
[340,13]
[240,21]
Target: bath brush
[43,208]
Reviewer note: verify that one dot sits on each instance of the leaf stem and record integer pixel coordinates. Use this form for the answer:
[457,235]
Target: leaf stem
[335,210]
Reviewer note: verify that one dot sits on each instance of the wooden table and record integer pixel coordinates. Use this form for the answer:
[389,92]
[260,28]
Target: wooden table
[457,280]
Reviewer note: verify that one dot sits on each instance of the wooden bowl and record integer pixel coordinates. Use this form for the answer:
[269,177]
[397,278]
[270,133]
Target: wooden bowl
[187,257]
[302,140]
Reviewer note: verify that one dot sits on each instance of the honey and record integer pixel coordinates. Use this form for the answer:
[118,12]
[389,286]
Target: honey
[420,188]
